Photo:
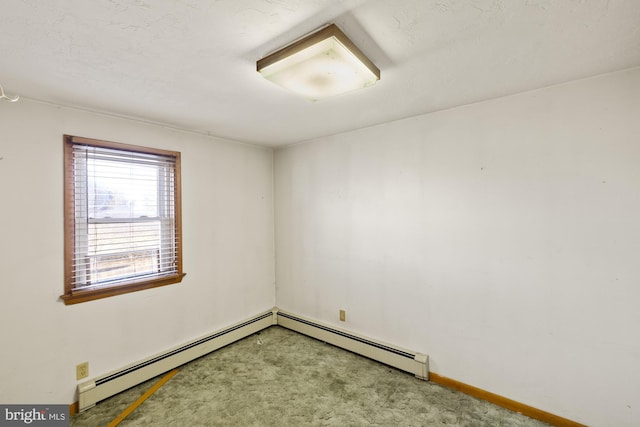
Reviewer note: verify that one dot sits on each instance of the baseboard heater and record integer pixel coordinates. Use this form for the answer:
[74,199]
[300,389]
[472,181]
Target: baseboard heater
[91,392]
[97,389]
[405,360]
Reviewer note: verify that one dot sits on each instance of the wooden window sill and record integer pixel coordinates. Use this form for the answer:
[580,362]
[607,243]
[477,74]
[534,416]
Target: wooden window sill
[83,295]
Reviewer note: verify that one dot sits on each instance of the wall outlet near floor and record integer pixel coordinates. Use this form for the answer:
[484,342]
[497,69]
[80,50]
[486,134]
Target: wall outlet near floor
[82,370]
[343,315]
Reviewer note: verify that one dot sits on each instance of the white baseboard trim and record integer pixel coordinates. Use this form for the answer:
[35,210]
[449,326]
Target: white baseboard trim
[100,388]
[389,354]
[97,389]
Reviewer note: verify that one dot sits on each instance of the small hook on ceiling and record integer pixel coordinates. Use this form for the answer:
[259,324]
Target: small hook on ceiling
[3,96]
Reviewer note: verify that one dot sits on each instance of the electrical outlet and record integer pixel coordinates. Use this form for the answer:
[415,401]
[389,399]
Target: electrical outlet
[343,315]
[82,370]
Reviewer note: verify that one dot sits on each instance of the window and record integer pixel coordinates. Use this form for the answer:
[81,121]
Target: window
[122,218]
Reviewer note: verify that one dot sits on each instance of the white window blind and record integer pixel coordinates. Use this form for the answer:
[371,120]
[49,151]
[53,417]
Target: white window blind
[124,205]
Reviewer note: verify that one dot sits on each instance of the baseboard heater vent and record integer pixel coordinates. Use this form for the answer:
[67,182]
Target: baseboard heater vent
[415,363]
[91,392]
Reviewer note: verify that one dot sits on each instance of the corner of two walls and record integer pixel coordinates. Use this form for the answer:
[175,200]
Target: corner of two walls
[498,238]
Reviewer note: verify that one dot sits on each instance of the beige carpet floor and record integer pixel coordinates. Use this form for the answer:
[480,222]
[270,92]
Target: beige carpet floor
[281,378]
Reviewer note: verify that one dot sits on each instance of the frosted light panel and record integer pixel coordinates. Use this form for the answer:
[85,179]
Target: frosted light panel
[324,69]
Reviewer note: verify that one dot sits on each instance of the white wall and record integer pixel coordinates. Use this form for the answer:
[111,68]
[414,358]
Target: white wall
[227,192]
[501,238]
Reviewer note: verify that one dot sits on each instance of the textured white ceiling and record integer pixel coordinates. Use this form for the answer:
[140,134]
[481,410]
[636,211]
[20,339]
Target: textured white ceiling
[191,63]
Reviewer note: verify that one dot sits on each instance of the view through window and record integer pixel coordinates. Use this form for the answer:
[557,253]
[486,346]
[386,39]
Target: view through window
[122,218]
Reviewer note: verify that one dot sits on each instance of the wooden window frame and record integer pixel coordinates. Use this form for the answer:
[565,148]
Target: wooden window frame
[77,295]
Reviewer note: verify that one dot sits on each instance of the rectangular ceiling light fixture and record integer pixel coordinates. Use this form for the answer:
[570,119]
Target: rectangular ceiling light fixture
[322,64]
